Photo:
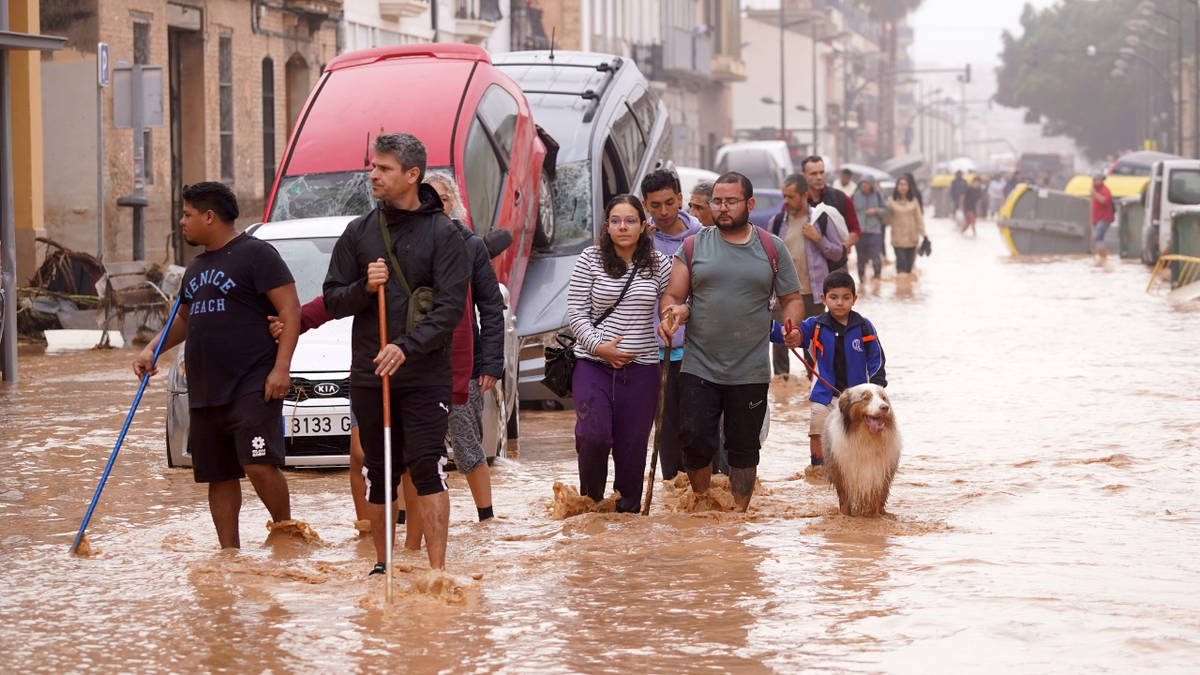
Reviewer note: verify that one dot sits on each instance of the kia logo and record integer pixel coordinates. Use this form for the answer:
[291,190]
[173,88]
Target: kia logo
[326,388]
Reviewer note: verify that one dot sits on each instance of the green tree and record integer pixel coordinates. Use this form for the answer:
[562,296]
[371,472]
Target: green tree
[888,13]
[1047,71]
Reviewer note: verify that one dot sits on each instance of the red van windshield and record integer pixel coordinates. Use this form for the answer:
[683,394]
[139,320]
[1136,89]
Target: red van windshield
[318,195]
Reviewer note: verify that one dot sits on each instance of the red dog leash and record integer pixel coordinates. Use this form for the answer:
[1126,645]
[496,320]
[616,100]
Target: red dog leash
[788,327]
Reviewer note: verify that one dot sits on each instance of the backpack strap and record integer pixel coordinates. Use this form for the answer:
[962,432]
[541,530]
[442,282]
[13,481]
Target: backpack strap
[777,223]
[768,244]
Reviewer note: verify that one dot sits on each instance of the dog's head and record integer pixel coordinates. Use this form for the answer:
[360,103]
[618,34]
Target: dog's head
[866,405]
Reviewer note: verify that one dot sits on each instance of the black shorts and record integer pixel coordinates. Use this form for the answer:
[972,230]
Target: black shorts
[744,407]
[420,416]
[224,438]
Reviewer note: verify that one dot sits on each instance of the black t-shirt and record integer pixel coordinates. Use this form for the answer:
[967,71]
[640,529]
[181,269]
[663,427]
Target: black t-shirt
[839,356]
[971,198]
[229,348]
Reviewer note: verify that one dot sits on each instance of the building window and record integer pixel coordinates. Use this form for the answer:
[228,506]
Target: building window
[225,85]
[141,57]
[268,125]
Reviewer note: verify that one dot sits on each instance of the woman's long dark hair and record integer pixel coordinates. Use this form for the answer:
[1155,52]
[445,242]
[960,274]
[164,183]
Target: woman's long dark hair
[643,255]
[912,191]
[916,192]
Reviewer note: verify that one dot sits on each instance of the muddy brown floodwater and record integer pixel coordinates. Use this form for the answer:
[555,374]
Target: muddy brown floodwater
[1046,520]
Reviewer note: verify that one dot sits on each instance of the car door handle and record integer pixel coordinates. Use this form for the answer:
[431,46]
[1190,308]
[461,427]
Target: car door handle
[517,202]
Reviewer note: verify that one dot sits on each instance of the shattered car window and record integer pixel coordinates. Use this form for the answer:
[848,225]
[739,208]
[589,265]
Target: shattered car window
[317,195]
[572,208]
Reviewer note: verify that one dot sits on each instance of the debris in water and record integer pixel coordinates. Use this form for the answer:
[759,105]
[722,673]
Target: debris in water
[443,586]
[568,502]
[363,526]
[816,474]
[85,548]
[296,528]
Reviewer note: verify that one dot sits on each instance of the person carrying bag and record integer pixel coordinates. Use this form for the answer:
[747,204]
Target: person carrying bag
[617,374]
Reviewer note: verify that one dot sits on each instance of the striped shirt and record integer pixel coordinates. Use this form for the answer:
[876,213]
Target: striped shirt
[592,292]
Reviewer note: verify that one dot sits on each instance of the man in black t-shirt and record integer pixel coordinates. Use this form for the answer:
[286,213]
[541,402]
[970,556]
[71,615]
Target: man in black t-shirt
[237,375]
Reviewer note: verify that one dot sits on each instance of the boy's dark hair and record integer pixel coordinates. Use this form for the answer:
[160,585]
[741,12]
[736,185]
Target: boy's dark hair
[215,197]
[797,181]
[838,279]
[657,181]
[735,177]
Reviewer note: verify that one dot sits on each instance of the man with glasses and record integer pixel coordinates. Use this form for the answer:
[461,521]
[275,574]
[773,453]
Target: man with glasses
[726,366]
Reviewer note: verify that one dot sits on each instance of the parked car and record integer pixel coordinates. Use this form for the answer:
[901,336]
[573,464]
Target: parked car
[1174,186]
[316,411]
[1138,163]
[688,177]
[884,181]
[611,129]
[476,125]
[767,202]
[765,163]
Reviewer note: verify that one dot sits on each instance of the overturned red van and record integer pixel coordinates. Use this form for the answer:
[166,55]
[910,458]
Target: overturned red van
[474,121]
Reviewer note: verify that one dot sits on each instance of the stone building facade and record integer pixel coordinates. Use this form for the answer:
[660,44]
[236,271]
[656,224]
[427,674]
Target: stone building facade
[236,75]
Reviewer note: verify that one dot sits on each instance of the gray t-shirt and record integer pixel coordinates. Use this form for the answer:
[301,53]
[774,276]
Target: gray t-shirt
[730,323]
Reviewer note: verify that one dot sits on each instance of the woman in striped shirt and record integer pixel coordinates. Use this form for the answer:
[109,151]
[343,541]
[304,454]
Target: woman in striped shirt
[617,373]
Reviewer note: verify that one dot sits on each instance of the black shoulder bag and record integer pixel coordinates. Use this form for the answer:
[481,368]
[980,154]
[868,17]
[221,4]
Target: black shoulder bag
[560,361]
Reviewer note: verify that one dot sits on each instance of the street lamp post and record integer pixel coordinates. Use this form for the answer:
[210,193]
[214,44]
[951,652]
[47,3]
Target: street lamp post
[1149,8]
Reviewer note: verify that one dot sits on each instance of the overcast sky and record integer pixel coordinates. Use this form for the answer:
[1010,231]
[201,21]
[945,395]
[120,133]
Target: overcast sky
[953,32]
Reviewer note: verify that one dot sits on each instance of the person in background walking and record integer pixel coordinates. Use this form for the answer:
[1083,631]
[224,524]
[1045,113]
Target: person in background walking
[846,183]
[813,169]
[662,199]
[908,224]
[1102,214]
[698,203]
[957,187]
[873,208]
[813,246]
[995,195]
[610,304]
[969,203]
[731,276]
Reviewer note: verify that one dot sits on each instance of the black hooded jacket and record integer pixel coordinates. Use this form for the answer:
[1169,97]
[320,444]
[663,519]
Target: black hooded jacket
[432,253]
[486,296]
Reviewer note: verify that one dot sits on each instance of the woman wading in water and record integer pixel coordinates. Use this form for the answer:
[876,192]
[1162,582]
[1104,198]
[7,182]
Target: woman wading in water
[611,303]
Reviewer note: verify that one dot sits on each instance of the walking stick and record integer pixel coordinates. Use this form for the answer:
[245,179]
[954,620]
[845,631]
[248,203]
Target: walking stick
[662,399]
[125,429]
[388,519]
[788,327]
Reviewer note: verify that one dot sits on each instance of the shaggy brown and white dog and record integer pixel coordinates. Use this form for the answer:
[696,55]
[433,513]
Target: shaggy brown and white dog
[862,450]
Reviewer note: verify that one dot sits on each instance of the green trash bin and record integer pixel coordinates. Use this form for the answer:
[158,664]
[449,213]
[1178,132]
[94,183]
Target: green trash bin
[1130,216]
[1185,236]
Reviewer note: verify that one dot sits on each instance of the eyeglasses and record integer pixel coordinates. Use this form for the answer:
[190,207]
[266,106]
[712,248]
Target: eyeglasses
[632,221]
[718,205]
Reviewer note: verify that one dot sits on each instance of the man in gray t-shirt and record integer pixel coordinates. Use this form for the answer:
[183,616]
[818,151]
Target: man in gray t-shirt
[726,367]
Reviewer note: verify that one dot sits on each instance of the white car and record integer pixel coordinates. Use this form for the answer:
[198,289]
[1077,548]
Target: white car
[316,412]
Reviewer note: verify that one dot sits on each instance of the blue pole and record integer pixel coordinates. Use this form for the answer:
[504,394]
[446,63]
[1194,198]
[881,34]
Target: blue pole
[125,429]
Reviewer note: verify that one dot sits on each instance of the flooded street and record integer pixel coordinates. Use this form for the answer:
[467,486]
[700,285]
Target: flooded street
[1046,520]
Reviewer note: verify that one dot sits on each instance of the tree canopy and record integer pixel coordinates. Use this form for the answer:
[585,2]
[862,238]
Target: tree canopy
[1047,70]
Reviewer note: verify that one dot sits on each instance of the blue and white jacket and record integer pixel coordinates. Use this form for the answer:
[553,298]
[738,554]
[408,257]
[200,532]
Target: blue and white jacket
[864,355]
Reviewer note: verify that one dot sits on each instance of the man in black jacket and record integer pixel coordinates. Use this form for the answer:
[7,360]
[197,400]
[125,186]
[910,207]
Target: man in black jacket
[430,252]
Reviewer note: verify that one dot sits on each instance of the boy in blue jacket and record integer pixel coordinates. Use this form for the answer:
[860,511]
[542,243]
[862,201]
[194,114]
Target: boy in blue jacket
[847,352]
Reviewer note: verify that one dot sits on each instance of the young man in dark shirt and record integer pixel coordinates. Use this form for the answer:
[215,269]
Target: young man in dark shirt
[429,251]
[969,203]
[236,373]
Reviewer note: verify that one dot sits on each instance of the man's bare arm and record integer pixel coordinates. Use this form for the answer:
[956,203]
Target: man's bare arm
[143,364]
[287,303]
[673,298]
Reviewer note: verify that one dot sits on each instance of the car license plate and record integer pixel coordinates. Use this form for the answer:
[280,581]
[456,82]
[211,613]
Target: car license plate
[316,425]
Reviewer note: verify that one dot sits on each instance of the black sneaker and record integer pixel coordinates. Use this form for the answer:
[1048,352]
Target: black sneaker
[380,568]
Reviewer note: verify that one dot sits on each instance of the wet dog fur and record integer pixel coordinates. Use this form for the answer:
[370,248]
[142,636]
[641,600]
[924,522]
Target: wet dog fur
[862,450]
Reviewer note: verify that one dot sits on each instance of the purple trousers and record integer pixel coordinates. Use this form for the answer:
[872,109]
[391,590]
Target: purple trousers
[614,412]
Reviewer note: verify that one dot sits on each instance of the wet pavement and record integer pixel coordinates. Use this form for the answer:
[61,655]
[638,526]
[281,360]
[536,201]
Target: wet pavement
[1046,520]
